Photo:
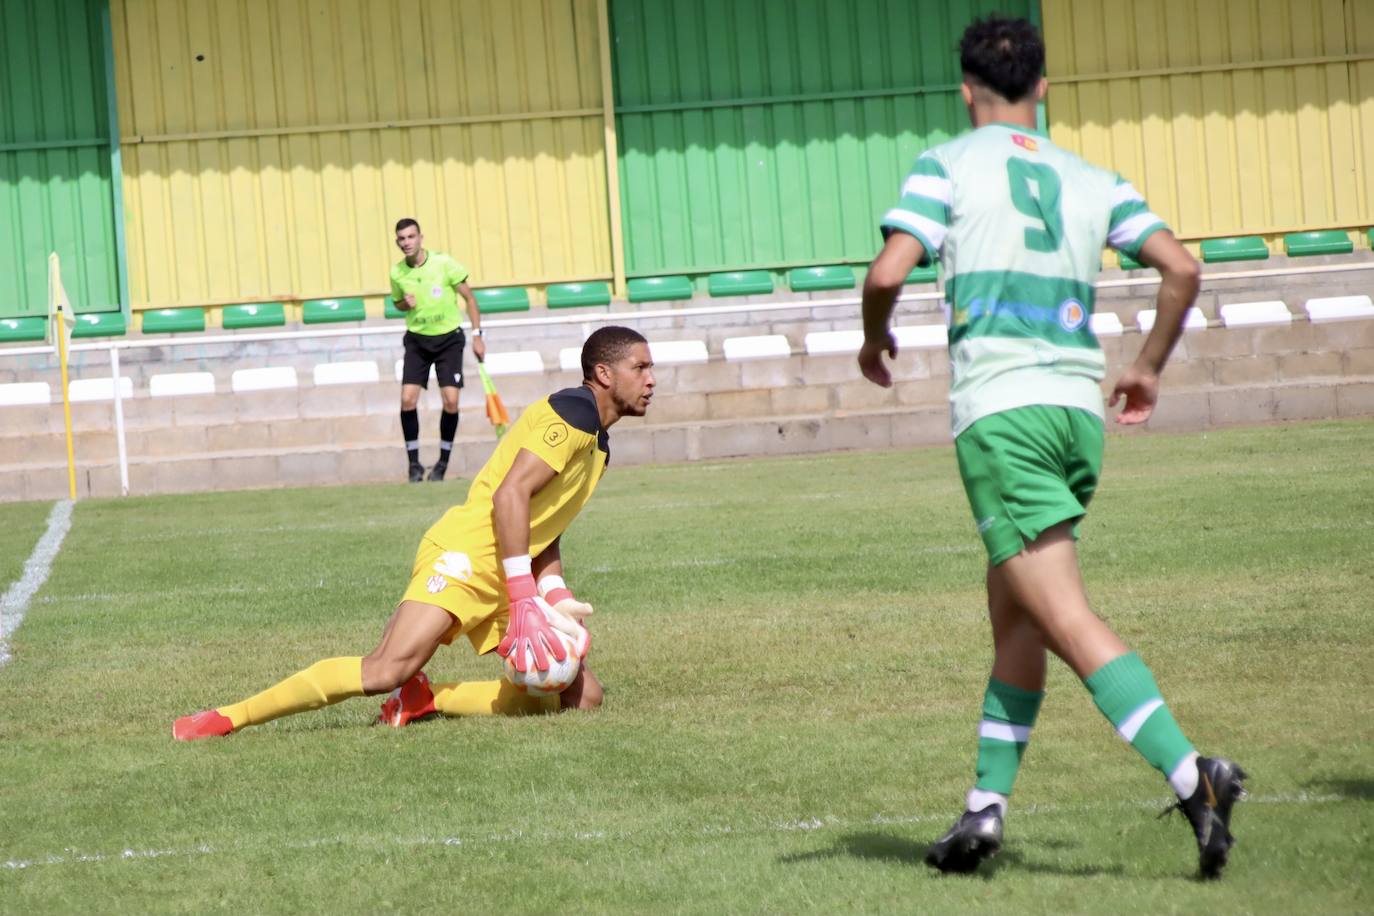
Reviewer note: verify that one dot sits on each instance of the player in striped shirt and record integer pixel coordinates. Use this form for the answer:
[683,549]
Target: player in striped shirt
[1019,226]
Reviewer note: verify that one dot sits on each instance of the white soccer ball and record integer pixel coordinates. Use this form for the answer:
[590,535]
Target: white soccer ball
[560,674]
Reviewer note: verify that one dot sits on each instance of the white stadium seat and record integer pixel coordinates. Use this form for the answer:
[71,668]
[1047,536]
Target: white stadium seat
[764,346]
[362,372]
[570,359]
[521,362]
[821,342]
[16,394]
[1192,321]
[1106,324]
[1339,308]
[922,337]
[172,384]
[266,379]
[1255,314]
[99,389]
[669,352]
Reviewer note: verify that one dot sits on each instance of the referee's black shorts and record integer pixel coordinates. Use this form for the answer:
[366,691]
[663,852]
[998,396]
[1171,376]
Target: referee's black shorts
[442,351]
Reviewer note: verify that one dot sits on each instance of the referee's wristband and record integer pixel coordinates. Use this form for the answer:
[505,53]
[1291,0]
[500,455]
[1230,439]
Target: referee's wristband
[477,332]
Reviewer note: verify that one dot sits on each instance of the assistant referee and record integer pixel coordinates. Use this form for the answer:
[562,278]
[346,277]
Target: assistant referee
[426,286]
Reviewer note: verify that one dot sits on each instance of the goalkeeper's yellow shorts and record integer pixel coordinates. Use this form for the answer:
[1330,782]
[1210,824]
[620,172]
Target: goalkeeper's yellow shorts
[476,598]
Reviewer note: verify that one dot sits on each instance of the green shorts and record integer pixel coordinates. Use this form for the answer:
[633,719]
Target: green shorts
[1026,470]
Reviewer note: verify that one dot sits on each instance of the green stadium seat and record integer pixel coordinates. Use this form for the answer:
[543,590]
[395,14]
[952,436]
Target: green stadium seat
[173,321]
[811,279]
[659,289]
[1128,262]
[322,311]
[1241,248]
[740,283]
[1370,236]
[502,299]
[925,274]
[255,315]
[1324,241]
[391,311]
[99,324]
[573,295]
[17,330]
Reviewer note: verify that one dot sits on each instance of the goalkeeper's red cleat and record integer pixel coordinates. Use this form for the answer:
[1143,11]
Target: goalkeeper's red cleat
[208,724]
[412,700]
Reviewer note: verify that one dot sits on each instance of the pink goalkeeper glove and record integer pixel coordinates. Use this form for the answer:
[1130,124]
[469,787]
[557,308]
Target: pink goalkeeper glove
[529,631]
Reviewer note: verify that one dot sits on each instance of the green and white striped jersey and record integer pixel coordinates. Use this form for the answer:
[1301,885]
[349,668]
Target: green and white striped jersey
[1019,226]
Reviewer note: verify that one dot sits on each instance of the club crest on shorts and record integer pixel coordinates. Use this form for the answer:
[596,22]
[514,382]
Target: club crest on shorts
[458,377]
[436,584]
[454,565]
[1072,315]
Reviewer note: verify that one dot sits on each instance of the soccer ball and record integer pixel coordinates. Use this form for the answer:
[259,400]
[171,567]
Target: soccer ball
[560,674]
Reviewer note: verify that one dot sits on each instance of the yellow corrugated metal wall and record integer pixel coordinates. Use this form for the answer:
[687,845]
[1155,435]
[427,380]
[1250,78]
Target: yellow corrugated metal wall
[270,145]
[1231,116]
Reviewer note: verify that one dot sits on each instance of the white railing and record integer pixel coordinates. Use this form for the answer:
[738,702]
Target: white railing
[626,317]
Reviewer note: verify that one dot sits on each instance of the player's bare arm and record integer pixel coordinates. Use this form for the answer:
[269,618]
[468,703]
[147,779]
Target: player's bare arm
[479,344]
[886,275]
[1180,279]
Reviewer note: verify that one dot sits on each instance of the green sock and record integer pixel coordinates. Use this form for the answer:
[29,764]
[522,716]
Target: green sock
[1008,714]
[1125,691]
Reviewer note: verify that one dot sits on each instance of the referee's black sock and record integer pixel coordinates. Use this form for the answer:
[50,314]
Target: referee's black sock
[448,428]
[410,428]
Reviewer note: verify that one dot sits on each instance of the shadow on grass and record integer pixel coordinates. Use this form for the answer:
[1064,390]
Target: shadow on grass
[1357,789]
[881,847]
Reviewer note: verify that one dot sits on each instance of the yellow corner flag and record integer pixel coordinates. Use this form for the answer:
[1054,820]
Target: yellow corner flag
[61,315]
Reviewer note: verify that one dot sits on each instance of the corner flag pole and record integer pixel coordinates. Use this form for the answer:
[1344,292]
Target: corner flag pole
[60,308]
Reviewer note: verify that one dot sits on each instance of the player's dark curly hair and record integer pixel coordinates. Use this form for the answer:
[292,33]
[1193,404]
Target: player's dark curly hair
[1005,55]
[608,345]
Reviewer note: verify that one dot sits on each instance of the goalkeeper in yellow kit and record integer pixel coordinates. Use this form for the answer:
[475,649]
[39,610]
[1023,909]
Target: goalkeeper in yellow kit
[489,570]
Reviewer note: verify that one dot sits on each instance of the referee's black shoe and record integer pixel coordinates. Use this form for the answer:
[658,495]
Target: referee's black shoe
[976,836]
[438,471]
[417,472]
[1220,784]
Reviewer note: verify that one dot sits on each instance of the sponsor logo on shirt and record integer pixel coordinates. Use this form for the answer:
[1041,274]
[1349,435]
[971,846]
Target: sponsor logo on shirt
[1026,143]
[1072,315]
[436,291]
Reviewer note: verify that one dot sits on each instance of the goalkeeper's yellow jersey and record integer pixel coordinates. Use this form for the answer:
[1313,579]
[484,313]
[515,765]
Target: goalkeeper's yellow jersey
[564,430]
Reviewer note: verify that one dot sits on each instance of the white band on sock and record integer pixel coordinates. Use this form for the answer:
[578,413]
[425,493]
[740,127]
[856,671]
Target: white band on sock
[979,799]
[1183,780]
[1133,723]
[1004,731]
[412,444]
[517,566]
[549,583]
[445,446]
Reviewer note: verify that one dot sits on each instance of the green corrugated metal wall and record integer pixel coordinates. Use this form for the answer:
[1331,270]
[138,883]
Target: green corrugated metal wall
[763,134]
[55,188]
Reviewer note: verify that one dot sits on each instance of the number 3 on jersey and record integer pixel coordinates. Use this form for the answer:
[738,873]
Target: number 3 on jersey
[1041,206]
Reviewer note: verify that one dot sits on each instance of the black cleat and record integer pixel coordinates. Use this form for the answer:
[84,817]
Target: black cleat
[417,472]
[438,471]
[1220,783]
[974,837]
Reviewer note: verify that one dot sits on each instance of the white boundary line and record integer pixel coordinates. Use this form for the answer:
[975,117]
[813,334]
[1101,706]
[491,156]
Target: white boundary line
[807,825]
[16,599]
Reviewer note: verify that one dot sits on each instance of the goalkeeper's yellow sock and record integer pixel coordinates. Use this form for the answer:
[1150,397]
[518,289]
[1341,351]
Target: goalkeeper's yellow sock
[489,698]
[321,684]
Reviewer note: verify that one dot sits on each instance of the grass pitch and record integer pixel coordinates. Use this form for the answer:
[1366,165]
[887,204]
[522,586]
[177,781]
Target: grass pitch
[794,653]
